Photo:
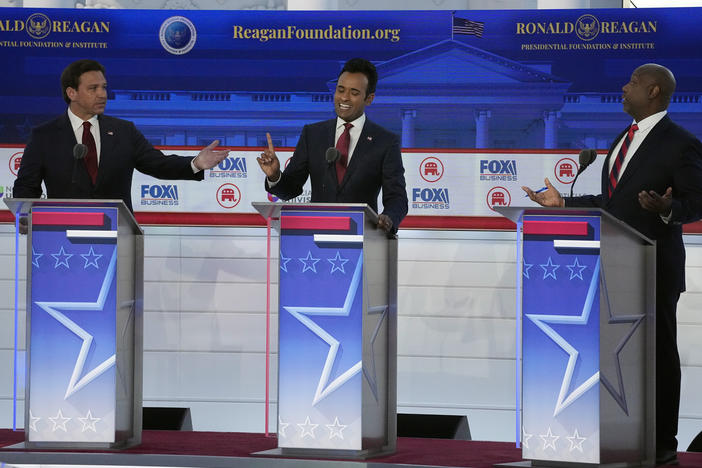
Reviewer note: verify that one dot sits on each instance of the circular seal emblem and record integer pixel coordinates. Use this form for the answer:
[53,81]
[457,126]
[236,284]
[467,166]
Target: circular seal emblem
[498,196]
[38,26]
[228,195]
[15,161]
[565,170]
[587,27]
[177,35]
[431,169]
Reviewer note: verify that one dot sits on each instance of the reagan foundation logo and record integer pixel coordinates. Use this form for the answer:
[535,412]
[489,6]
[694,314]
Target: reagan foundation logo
[587,27]
[177,35]
[38,26]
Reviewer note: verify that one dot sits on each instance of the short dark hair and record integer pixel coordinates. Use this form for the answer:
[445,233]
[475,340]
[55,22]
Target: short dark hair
[70,77]
[359,65]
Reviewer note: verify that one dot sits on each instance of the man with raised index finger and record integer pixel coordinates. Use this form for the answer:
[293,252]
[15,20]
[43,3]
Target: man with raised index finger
[368,157]
[652,180]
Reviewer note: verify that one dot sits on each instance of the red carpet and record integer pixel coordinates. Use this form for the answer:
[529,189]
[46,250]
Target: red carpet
[409,450]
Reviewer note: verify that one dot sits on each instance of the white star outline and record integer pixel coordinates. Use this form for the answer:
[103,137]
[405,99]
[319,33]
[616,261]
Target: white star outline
[525,438]
[61,253]
[549,265]
[59,425]
[576,442]
[307,428]
[309,262]
[35,257]
[301,314]
[282,427]
[335,430]
[89,422]
[635,320]
[573,267]
[33,420]
[284,262]
[95,257]
[549,439]
[51,308]
[527,267]
[370,375]
[540,321]
[338,263]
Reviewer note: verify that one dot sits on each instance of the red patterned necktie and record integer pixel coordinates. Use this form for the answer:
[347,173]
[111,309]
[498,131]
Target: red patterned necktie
[91,162]
[617,167]
[343,146]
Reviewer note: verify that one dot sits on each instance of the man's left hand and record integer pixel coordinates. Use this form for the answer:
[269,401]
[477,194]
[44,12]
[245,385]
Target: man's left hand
[209,157]
[385,223]
[651,201]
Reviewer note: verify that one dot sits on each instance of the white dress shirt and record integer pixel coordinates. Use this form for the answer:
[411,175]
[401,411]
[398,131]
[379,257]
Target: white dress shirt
[645,127]
[77,126]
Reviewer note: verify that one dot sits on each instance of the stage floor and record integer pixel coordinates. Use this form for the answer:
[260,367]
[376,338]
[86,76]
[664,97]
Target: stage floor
[231,449]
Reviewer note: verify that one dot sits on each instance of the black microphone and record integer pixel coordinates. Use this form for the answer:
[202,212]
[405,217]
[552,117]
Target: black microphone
[586,157]
[79,152]
[332,155]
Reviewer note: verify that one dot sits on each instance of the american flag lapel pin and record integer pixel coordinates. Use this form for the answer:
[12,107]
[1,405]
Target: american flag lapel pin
[370,138]
[111,133]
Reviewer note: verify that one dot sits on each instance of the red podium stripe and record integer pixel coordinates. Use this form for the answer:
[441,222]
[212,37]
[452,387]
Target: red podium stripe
[323,223]
[556,228]
[67,218]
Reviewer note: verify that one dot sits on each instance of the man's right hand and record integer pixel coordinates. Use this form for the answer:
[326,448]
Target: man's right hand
[23,225]
[269,161]
[549,197]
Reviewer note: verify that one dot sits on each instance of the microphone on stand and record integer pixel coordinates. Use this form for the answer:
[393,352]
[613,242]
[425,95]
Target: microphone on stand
[586,157]
[79,152]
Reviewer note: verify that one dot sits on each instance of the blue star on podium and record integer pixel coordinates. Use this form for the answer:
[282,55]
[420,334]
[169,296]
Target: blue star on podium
[91,258]
[52,308]
[284,262]
[309,262]
[338,262]
[549,268]
[324,387]
[576,269]
[61,258]
[565,399]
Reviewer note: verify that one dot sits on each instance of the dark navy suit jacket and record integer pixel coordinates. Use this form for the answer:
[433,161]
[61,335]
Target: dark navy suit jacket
[376,163]
[669,156]
[48,157]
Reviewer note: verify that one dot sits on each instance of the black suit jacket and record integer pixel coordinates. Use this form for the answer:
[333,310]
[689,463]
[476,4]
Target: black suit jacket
[376,163]
[48,158]
[669,156]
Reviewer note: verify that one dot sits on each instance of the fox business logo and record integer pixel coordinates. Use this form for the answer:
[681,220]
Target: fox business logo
[39,26]
[164,195]
[430,198]
[498,169]
[230,168]
[15,163]
[586,27]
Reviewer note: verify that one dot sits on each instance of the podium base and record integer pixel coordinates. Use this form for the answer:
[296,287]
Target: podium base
[325,453]
[562,464]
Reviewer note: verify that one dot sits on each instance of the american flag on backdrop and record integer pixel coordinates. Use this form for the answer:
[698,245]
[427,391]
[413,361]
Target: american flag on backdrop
[467,27]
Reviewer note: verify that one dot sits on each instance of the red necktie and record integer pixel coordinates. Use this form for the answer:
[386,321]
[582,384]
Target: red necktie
[91,162]
[343,146]
[617,167]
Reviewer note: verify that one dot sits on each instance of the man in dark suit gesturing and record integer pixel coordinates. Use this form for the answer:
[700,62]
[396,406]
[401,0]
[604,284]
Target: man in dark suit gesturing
[368,155]
[652,180]
[113,147]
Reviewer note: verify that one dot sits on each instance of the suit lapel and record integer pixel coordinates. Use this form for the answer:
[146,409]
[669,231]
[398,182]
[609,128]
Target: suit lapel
[644,152]
[107,143]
